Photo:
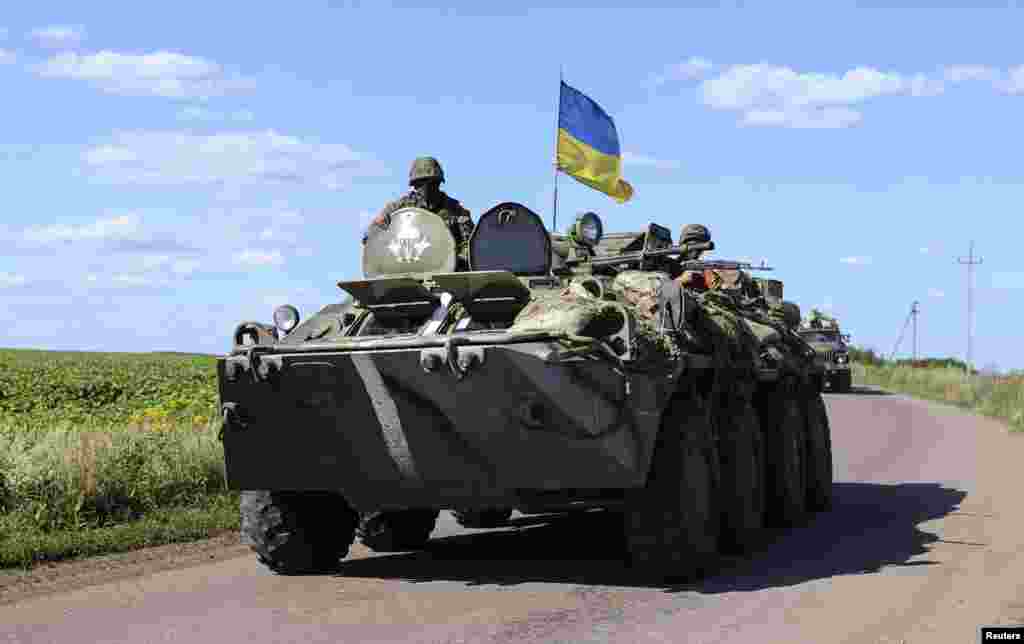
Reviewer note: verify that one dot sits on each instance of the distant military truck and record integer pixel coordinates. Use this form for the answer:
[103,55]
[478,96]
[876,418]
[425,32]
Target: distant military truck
[770,289]
[830,345]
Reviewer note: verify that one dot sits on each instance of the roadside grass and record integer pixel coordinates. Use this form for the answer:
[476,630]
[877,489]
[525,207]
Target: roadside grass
[24,546]
[104,453]
[994,396]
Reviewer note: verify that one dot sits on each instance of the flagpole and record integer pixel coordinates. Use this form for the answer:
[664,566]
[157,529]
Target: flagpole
[554,205]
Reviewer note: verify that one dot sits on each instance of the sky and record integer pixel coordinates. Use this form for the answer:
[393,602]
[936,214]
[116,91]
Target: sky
[172,169]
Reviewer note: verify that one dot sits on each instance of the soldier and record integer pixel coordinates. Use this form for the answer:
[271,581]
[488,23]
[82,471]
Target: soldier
[426,177]
[694,234]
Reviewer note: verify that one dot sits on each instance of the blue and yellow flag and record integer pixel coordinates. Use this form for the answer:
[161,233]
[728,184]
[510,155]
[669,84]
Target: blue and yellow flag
[588,145]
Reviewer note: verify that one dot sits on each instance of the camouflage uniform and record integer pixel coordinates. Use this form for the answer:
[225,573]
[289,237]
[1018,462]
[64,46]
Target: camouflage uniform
[459,221]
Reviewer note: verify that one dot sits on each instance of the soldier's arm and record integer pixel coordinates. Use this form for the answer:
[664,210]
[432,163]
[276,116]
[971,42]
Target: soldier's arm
[383,218]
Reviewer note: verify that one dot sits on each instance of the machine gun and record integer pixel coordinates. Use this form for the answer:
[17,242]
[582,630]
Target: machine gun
[679,258]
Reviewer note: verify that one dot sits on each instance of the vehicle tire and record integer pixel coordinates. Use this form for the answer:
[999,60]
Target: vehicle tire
[671,524]
[845,381]
[818,471]
[396,530]
[297,532]
[741,492]
[783,424]
[489,518]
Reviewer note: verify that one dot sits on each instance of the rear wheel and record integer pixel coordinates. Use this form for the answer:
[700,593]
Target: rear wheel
[488,518]
[741,493]
[783,422]
[396,530]
[297,532]
[671,524]
[844,382]
[818,470]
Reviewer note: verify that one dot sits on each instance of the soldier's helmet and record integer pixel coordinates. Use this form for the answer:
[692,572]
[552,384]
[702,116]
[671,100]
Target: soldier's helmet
[425,168]
[694,233]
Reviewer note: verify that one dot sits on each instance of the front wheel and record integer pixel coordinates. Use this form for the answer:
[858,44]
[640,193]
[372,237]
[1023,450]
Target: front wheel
[297,532]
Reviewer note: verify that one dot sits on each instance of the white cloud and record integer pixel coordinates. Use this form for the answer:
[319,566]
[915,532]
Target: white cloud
[964,73]
[121,227]
[780,96]
[185,266]
[279,235]
[1013,83]
[251,257]
[925,250]
[152,262]
[695,68]
[856,260]
[921,85]
[226,159]
[162,73]
[196,113]
[58,36]
[630,158]
[7,57]
[804,119]
[934,292]
[11,279]
[128,279]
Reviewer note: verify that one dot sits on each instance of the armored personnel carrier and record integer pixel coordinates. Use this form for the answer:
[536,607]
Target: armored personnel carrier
[579,370]
[830,346]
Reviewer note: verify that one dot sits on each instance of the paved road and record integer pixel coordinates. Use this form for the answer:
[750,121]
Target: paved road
[924,545]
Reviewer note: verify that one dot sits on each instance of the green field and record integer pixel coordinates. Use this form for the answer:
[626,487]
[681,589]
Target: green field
[102,452]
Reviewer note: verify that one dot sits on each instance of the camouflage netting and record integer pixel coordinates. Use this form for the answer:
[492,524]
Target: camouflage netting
[573,311]
[771,325]
[641,290]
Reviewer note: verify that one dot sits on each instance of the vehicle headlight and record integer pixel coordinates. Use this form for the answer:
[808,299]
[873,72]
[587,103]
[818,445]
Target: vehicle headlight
[842,358]
[286,318]
[589,229]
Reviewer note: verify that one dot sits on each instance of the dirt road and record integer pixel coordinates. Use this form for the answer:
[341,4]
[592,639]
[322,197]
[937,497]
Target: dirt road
[925,544]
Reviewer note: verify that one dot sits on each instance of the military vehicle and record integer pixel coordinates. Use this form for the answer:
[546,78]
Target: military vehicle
[560,371]
[830,345]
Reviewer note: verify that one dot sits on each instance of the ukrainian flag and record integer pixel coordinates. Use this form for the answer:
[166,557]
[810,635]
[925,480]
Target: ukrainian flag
[588,145]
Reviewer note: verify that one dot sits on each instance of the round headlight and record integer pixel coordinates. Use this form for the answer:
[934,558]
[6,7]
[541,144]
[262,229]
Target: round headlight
[589,228]
[286,317]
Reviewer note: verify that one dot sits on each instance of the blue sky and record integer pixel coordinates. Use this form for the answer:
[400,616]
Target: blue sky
[170,170]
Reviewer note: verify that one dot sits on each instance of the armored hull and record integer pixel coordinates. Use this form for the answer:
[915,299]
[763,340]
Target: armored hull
[554,374]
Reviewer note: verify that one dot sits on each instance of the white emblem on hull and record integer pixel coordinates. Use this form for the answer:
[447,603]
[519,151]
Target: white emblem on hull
[409,243]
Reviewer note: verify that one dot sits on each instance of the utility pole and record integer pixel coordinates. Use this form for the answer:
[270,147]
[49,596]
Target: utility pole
[914,311]
[970,262]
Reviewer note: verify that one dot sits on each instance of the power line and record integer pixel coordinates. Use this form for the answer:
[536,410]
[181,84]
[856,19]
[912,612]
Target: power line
[970,262]
[899,340]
